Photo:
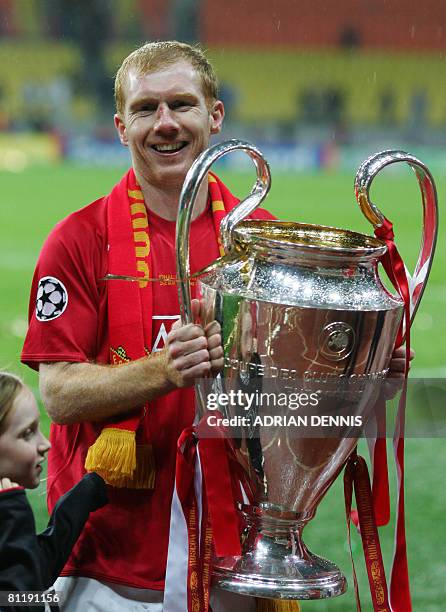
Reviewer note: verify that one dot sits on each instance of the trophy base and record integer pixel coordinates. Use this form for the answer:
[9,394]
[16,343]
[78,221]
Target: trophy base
[276,564]
[315,579]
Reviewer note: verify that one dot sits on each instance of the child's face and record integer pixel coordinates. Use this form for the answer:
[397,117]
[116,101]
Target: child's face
[22,444]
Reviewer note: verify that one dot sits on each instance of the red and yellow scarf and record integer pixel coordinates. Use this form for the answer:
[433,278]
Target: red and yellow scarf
[119,454]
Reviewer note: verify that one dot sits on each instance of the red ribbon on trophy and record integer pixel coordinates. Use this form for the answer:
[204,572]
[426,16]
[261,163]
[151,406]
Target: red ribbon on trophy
[373,510]
[374,504]
[203,517]
[356,474]
[400,599]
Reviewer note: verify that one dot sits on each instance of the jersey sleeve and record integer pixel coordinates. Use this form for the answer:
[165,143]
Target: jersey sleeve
[65,295]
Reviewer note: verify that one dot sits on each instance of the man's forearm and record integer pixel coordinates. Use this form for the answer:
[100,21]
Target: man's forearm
[73,392]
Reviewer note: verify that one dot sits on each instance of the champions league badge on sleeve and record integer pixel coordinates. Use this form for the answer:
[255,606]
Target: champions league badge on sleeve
[51,300]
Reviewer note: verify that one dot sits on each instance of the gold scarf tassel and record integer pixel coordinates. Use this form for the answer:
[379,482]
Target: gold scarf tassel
[120,462]
[276,605]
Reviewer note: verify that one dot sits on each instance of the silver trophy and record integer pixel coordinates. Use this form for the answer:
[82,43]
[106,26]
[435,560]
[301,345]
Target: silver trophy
[299,305]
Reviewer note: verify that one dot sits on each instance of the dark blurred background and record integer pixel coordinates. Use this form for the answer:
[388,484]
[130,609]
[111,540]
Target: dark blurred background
[316,82]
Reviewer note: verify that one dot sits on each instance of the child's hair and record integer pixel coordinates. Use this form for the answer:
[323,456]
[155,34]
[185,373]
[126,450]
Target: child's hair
[10,387]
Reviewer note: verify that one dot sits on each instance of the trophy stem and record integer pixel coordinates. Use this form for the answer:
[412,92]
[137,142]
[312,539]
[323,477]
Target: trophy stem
[275,563]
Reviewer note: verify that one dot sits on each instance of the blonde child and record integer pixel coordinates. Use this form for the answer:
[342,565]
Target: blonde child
[31,562]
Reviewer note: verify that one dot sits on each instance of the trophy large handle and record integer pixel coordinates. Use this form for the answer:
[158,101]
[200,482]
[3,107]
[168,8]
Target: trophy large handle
[364,177]
[192,182]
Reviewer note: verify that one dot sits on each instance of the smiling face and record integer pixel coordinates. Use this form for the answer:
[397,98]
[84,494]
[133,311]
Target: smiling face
[22,444]
[167,122]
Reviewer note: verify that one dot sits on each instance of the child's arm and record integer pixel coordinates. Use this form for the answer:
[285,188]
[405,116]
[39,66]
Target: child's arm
[66,523]
[19,553]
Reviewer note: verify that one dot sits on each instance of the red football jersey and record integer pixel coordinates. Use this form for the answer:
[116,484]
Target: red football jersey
[127,540]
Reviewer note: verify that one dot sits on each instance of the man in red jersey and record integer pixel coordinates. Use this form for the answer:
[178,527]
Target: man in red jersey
[82,328]
[115,377]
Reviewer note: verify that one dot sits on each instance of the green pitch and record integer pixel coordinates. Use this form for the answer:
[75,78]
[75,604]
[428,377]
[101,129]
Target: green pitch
[33,200]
